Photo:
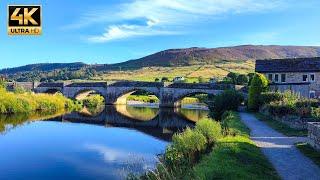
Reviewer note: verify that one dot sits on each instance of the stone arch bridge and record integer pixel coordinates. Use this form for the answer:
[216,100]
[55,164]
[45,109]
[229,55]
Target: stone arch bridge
[169,94]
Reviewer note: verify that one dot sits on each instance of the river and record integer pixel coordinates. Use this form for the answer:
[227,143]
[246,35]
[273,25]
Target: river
[109,143]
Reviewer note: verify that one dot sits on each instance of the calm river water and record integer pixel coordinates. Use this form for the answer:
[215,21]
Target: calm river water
[106,144]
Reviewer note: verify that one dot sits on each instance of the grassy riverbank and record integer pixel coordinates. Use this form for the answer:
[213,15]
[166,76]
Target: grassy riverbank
[27,102]
[214,151]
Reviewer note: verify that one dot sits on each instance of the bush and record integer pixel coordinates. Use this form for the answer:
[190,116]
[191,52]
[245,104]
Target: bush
[280,109]
[93,101]
[268,97]
[258,85]
[242,79]
[228,100]
[315,113]
[11,103]
[231,124]
[185,148]
[210,129]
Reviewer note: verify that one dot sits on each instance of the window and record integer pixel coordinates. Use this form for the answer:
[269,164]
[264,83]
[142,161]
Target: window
[283,78]
[270,77]
[312,94]
[276,77]
[305,78]
[312,77]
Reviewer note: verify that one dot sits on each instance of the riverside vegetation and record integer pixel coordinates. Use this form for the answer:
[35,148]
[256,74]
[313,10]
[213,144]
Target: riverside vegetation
[214,149]
[272,105]
[27,102]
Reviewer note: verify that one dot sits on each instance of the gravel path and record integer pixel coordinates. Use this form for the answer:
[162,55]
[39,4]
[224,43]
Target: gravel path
[289,162]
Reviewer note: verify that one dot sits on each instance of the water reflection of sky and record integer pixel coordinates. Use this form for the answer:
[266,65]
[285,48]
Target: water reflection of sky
[54,150]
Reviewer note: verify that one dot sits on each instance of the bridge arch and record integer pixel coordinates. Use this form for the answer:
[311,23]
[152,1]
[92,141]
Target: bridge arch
[119,95]
[83,93]
[53,91]
[178,99]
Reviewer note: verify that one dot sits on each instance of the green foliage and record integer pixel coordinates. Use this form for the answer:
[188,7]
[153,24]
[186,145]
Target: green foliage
[93,101]
[242,79]
[210,129]
[228,100]
[315,113]
[156,80]
[232,125]
[258,85]
[164,79]
[268,97]
[287,103]
[11,103]
[233,76]
[235,157]
[143,98]
[232,157]
[185,148]
[250,77]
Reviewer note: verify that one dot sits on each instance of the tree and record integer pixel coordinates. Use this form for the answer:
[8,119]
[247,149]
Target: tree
[258,85]
[156,80]
[233,76]
[165,79]
[250,75]
[242,79]
[228,100]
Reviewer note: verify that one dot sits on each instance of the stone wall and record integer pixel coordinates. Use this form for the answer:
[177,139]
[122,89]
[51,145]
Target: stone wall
[292,121]
[314,134]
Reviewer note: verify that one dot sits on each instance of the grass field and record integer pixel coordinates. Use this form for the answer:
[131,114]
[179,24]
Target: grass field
[192,73]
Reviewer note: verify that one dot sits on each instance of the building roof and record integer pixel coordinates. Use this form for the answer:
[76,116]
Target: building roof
[288,65]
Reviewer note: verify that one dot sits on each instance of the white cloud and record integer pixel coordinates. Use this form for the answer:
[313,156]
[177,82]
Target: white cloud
[164,17]
[115,32]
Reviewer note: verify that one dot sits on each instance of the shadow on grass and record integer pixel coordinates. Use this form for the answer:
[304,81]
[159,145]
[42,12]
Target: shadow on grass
[235,158]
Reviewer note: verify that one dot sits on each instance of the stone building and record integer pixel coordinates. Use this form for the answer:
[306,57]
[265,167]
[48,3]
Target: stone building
[300,75]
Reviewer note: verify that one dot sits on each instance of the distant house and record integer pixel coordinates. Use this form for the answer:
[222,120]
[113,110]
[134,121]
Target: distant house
[301,75]
[178,79]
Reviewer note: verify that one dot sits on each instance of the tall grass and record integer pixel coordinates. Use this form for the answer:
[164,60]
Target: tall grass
[27,102]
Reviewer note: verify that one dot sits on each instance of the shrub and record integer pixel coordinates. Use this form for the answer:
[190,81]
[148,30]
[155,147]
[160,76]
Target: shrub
[268,97]
[209,129]
[228,100]
[258,85]
[93,101]
[242,79]
[28,102]
[188,145]
[280,109]
[315,113]
[231,124]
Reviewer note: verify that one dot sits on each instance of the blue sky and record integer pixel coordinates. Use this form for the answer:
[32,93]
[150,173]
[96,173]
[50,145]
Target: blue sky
[110,31]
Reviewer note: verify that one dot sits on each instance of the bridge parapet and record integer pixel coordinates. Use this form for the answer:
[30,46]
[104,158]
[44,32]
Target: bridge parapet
[135,84]
[87,84]
[201,86]
[51,84]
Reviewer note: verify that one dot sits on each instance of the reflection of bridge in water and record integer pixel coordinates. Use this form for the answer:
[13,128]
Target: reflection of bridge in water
[162,124]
